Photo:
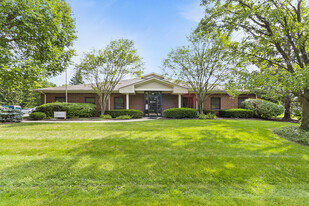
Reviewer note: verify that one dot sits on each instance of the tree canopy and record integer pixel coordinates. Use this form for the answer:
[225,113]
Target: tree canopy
[36,38]
[202,65]
[105,68]
[270,34]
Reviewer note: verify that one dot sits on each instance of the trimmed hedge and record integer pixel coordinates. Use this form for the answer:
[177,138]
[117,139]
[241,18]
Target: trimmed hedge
[124,117]
[236,113]
[180,113]
[72,109]
[37,115]
[262,108]
[206,111]
[134,113]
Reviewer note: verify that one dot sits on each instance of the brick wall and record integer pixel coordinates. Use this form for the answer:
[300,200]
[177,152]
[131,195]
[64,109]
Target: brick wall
[137,100]
[227,102]
[169,101]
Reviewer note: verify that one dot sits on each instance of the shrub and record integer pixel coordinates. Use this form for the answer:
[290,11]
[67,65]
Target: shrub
[262,108]
[120,112]
[207,116]
[106,116]
[124,117]
[180,113]
[10,115]
[206,111]
[72,109]
[236,113]
[295,134]
[37,115]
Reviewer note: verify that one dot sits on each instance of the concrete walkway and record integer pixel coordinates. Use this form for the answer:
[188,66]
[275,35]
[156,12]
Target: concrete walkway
[87,121]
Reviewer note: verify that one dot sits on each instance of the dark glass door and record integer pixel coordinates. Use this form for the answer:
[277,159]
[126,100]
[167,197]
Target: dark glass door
[153,105]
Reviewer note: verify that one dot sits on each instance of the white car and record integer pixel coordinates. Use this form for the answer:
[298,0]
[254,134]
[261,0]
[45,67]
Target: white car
[26,111]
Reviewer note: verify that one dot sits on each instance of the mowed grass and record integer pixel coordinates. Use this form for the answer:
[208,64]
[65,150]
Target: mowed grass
[162,162]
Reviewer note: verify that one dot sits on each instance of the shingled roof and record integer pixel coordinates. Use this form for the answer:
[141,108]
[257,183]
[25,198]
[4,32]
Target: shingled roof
[85,88]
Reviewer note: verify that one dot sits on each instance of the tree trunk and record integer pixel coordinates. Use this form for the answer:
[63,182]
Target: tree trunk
[200,106]
[287,106]
[104,103]
[101,104]
[305,104]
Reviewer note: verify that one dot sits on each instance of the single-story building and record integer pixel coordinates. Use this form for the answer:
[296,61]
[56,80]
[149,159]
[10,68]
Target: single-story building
[151,94]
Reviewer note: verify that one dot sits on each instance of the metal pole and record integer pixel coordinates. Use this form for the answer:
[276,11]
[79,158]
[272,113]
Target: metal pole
[66,86]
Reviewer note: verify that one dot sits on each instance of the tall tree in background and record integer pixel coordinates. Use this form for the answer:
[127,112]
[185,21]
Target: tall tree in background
[272,34]
[105,68]
[201,65]
[23,96]
[35,40]
[265,84]
[77,77]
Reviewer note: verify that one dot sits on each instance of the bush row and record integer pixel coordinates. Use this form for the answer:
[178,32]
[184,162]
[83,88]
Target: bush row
[180,113]
[125,112]
[72,109]
[236,113]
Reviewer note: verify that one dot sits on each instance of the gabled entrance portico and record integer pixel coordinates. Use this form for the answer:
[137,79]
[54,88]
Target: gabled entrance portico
[153,87]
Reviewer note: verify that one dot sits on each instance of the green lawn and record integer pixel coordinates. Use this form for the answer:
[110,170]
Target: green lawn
[162,162]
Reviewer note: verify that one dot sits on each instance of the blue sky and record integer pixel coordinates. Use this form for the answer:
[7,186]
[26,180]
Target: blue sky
[155,26]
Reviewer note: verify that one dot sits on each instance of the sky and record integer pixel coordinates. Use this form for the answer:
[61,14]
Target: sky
[155,26]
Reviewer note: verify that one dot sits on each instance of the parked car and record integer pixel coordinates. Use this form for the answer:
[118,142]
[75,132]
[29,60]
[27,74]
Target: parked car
[13,107]
[26,111]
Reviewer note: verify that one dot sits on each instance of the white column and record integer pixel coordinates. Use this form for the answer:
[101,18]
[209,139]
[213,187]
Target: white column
[179,100]
[128,101]
[109,103]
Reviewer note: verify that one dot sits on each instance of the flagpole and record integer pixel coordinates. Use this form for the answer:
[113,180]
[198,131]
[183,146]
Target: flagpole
[66,86]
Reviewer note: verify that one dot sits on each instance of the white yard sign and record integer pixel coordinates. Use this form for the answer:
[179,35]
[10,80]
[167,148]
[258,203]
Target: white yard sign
[60,115]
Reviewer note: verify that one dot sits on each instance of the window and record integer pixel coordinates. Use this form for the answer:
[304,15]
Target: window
[215,103]
[60,99]
[187,102]
[240,100]
[90,100]
[118,103]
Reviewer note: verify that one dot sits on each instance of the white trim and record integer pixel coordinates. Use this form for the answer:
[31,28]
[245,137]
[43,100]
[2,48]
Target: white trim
[109,103]
[179,100]
[127,101]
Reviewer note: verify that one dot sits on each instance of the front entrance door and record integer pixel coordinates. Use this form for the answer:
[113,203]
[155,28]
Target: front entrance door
[153,104]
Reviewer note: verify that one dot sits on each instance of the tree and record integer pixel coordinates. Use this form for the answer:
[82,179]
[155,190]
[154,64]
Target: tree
[201,65]
[77,78]
[35,40]
[265,84]
[23,96]
[274,33]
[105,68]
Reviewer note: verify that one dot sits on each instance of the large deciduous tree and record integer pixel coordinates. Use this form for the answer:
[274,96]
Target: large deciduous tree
[23,95]
[36,37]
[272,33]
[201,65]
[105,68]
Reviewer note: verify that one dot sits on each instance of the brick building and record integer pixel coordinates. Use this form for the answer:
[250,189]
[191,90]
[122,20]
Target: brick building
[151,94]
